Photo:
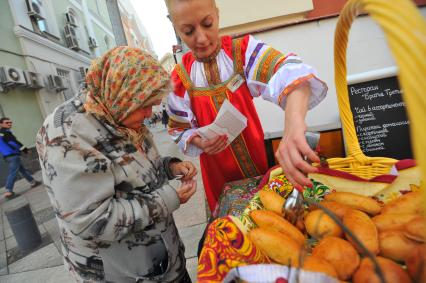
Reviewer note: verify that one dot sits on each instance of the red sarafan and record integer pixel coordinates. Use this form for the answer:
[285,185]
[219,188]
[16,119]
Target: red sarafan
[281,280]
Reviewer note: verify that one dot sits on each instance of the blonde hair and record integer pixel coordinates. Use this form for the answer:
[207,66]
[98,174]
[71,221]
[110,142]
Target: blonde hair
[169,3]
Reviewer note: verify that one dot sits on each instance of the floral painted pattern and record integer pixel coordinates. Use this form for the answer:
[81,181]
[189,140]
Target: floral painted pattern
[235,196]
[317,192]
[113,93]
[226,247]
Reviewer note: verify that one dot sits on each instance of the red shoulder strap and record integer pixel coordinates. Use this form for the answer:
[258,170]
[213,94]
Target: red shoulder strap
[184,78]
[238,55]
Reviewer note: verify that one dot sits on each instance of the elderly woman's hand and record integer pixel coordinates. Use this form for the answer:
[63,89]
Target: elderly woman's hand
[185,168]
[186,190]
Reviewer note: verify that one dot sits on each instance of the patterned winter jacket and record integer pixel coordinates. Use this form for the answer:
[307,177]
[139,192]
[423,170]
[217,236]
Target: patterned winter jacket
[113,203]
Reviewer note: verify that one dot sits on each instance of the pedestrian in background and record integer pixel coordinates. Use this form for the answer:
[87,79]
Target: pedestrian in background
[11,150]
[165,117]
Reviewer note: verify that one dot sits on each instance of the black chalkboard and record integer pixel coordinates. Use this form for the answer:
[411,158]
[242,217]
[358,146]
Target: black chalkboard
[380,118]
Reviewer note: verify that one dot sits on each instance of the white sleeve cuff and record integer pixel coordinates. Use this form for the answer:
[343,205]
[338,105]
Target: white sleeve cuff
[186,147]
[288,78]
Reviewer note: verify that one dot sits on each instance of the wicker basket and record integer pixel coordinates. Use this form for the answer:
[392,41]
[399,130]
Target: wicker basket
[405,31]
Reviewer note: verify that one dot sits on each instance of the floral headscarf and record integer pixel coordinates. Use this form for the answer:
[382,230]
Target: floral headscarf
[121,81]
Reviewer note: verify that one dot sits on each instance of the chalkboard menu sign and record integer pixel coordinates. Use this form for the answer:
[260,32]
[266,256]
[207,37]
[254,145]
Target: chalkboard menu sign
[380,118]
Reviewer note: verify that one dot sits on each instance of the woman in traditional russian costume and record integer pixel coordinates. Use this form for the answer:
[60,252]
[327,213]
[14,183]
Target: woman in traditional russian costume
[219,68]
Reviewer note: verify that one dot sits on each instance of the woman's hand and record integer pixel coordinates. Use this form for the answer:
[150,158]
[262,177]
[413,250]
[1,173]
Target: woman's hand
[291,150]
[185,168]
[293,146]
[186,190]
[212,146]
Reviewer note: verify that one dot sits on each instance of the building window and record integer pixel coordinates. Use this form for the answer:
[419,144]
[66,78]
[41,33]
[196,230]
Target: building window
[37,14]
[42,25]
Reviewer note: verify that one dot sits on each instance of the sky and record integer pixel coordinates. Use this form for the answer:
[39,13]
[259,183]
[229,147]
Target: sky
[153,15]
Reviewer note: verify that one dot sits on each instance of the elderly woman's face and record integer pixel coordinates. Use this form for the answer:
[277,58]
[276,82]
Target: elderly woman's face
[136,118]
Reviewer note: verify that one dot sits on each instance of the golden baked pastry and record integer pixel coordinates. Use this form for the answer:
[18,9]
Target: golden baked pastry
[392,272]
[355,201]
[318,264]
[411,203]
[269,219]
[272,201]
[277,246]
[337,208]
[416,229]
[394,245]
[340,253]
[319,225]
[363,228]
[392,220]
[416,264]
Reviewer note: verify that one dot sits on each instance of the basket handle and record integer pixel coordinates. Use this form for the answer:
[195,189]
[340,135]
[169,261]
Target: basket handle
[405,31]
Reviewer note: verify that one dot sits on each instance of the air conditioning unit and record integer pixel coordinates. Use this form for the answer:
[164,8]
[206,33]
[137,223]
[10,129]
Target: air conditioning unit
[34,80]
[92,42]
[72,43]
[33,9]
[70,19]
[69,30]
[83,72]
[57,83]
[71,37]
[11,76]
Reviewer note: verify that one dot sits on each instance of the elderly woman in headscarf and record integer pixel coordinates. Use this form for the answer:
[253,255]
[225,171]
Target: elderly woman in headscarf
[106,181]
